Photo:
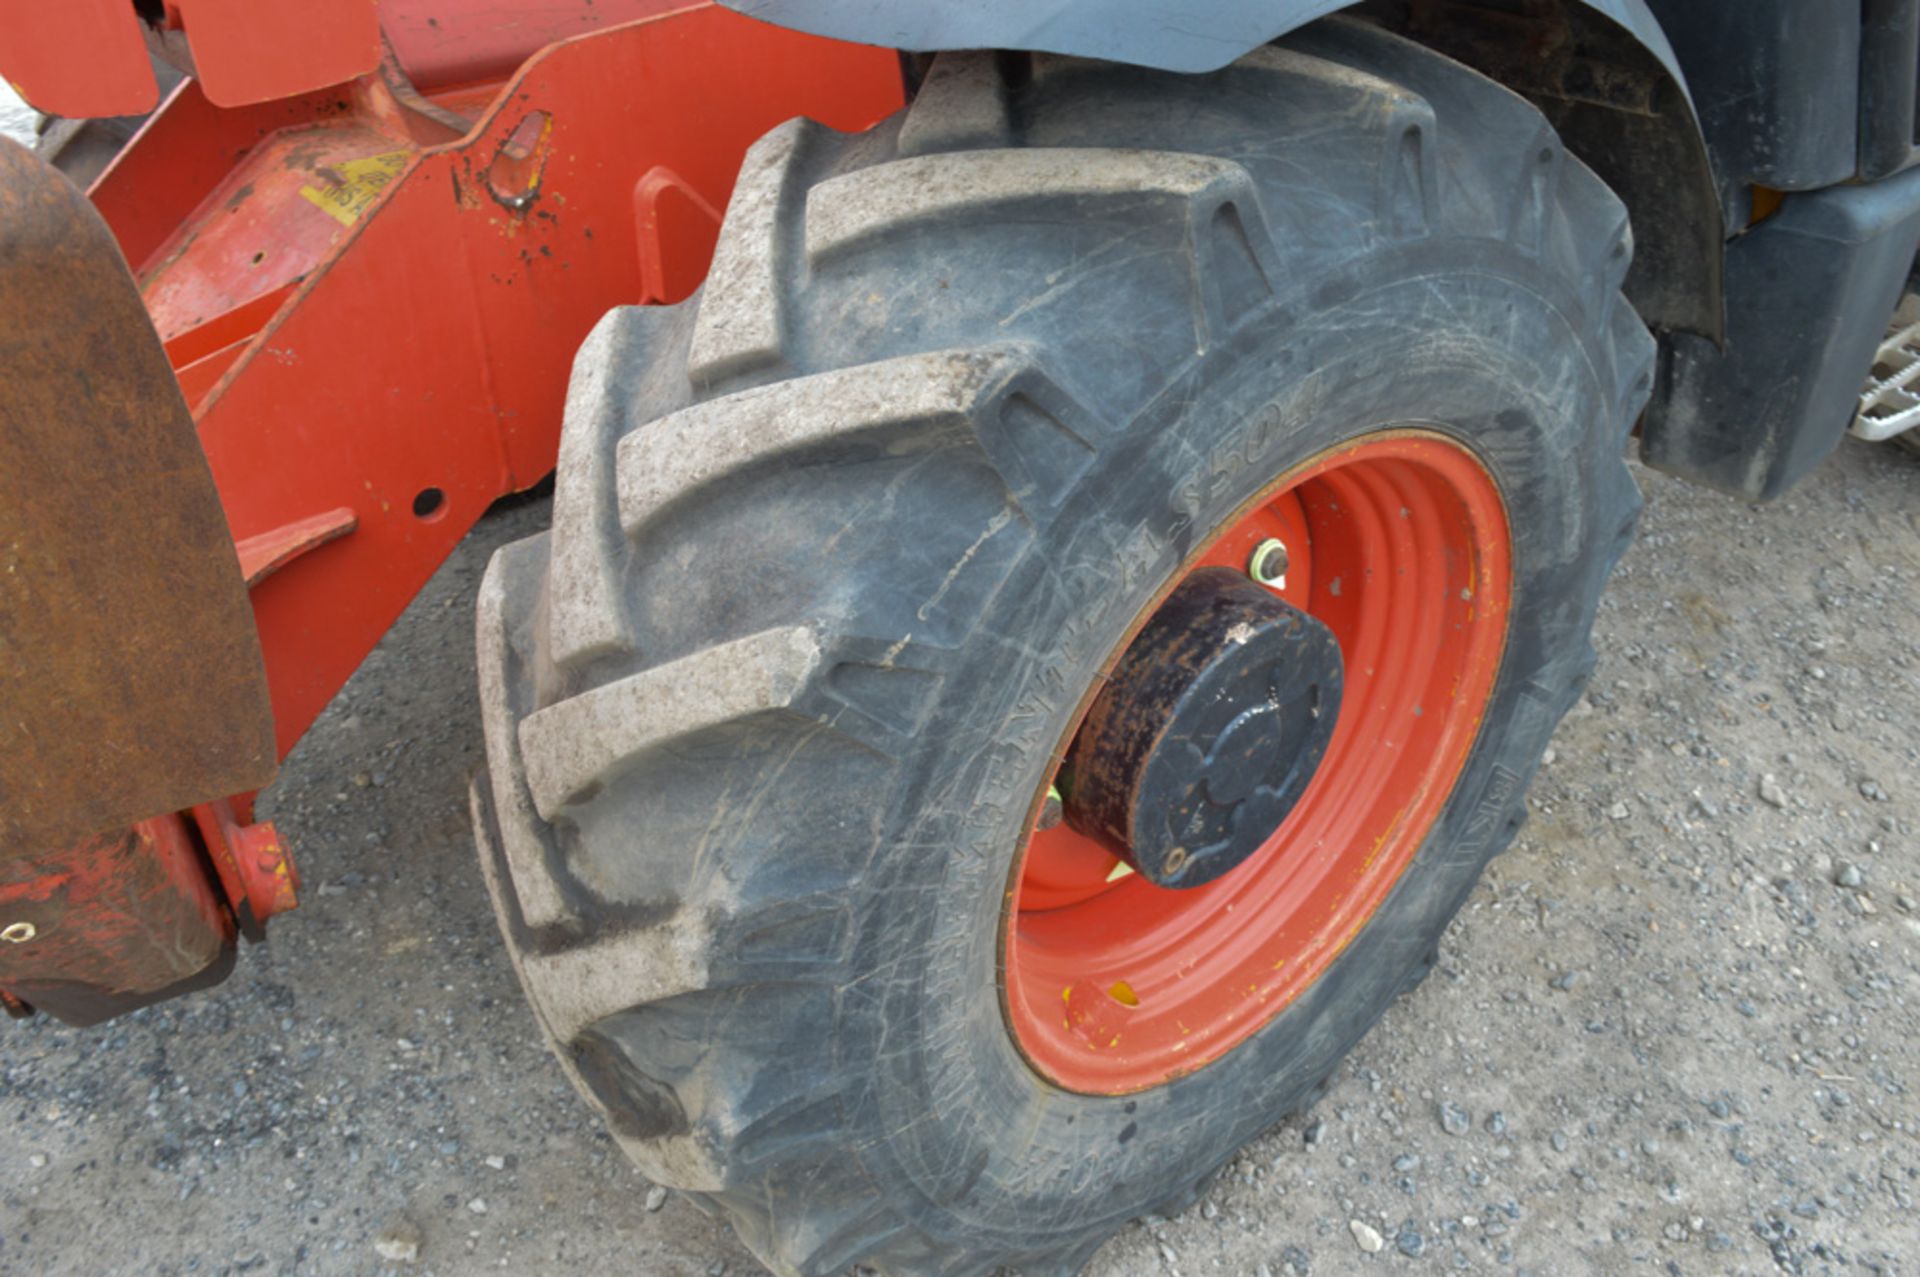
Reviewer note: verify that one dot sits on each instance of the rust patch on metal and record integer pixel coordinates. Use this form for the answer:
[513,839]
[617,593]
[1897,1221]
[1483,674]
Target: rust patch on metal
[111,923]
[129,667]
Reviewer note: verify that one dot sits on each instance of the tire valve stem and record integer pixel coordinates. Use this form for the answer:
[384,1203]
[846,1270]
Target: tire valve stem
[1267,565]
[1053,810]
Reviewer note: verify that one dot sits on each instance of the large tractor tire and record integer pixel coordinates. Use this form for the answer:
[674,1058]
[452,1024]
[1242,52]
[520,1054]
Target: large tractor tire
[1229,464]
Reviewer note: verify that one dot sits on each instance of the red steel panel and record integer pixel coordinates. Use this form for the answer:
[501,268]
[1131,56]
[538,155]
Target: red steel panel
[443,42]
[78,57]
[418,368]
[376,337]
[247,51]
[90,57]
[157,184]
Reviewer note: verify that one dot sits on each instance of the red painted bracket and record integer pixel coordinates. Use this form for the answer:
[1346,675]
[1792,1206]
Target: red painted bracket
[251,861]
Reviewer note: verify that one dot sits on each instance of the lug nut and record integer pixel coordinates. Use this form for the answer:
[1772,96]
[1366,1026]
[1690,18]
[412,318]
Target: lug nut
[18,932]
[1267,565]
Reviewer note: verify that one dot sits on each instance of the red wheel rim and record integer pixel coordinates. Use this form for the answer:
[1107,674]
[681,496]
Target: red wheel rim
[1398,543]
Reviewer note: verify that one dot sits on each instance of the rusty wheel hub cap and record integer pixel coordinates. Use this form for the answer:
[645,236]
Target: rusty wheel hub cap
[1207,734]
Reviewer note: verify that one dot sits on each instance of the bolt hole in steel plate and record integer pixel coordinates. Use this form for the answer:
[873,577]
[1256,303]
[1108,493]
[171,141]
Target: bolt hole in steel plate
[1398,543]
[429,504]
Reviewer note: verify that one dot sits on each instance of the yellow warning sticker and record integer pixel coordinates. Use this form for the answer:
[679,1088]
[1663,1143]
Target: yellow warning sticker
[354,184]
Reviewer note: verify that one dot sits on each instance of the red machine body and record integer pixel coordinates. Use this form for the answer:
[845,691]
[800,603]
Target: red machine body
[370,252]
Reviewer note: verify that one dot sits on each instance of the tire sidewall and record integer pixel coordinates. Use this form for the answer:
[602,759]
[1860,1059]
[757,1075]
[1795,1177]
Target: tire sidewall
[1472,340]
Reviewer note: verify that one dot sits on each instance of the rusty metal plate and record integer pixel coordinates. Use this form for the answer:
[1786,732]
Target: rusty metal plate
[131,682]
[111,923]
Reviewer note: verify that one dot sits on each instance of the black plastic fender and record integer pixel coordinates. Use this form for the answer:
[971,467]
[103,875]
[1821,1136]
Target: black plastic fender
[1609,80]
[1813,287]
[1636,126]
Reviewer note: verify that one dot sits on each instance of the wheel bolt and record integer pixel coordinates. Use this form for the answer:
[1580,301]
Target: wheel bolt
[1267,565]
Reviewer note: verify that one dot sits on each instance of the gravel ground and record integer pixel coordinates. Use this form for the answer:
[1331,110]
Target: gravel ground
[16,117]
[1673,1030]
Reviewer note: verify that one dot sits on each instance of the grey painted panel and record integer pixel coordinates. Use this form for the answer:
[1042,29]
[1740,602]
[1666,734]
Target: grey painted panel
[1174,35]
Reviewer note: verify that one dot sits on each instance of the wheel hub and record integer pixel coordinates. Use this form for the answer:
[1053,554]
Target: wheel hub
[1397,542]
[1212,725]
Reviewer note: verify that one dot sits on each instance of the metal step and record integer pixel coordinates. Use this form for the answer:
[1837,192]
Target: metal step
[1890,401]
